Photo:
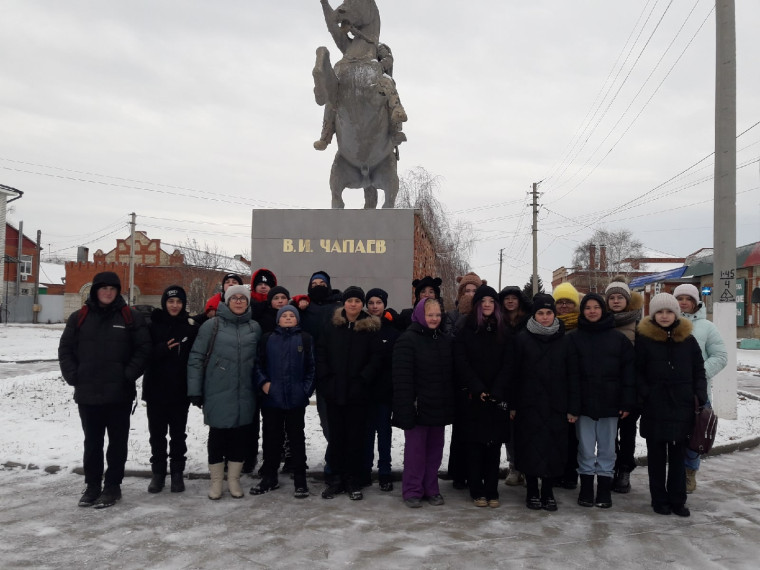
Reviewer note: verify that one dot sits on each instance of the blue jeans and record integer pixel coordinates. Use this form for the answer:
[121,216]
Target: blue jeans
[596,446]
[380,423]
[691,458]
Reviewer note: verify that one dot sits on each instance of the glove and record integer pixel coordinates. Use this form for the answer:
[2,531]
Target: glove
[196,401]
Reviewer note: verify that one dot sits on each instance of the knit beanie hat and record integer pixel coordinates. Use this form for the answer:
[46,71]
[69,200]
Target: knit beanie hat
[468,279]
[688,289]
[380,294]
[566,291]
[619,286]
[213,303]
[171,292]
[276,290]
[103,279]
[663,301]
[234,276]
[353,292]
[427,281]
[237,290]
[543,301]
[263,276]
[484,291]
[287,308]
[323,275]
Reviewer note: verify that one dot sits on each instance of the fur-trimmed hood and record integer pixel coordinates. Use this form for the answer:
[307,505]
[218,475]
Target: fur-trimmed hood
[364,323]
[637,301]
[648,328]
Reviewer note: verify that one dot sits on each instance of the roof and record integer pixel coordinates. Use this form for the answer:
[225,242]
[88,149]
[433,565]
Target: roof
[52,273]
[676,273]
[746,256]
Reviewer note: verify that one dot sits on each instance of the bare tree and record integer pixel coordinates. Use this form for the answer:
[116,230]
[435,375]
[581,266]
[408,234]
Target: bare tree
[619,246]
[452,239]
[205,265]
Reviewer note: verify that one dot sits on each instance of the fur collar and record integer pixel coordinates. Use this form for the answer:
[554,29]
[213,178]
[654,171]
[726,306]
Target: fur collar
[637,301]
[365,322]
[648,328]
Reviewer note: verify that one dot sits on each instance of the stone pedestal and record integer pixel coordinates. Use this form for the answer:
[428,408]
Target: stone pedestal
[368,248]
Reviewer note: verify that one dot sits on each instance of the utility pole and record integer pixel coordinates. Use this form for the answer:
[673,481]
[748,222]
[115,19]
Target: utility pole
[18,264]
[36,308]
[724,226]
[501,263]
[535,238]
[131,298]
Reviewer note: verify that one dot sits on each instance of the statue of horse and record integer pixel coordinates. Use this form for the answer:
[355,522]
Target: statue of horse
[361,100]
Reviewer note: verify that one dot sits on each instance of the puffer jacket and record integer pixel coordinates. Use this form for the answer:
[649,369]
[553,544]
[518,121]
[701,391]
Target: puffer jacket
[104,357]
[227,384]
[669,373]
[165,377]
[606,368]
[286,360]
[348,358]
[710,343]
[423,378]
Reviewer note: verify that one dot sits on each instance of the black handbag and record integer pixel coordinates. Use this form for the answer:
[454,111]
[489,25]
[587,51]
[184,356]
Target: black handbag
[705,427]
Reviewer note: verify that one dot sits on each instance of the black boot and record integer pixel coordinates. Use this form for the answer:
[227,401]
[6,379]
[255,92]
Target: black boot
[603,492]
[159,479]
[622,482]
[178,482]
[586,496]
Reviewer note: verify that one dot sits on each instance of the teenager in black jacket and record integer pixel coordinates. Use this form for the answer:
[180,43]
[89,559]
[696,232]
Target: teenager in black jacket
[172,333]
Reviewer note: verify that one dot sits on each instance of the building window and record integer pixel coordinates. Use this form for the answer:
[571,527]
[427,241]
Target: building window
[25,265]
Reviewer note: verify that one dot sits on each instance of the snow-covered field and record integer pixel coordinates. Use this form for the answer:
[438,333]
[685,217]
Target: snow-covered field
[39,422]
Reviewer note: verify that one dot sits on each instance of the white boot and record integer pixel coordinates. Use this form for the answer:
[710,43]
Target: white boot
[217,480]
[234,468]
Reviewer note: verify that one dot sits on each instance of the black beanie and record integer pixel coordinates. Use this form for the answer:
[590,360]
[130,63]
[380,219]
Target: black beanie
[543,301]
[427,281]
[352,291]
[275,290]
[263,275]
[234,276]
[484,291]
[174,291]
[380,294]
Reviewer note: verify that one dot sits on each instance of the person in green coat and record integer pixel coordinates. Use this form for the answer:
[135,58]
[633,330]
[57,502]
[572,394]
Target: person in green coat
[220,379]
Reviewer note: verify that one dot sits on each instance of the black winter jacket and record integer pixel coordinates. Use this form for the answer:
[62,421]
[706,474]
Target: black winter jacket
[670,371]
[382,389]
[286,359]
[482,360]
[348,358]
[318,315]
[104,357]
[165,377]
[544,389]
[423,378]
[606,368]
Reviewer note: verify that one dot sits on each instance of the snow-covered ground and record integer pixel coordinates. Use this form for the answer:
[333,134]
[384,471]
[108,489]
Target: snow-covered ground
[39,422]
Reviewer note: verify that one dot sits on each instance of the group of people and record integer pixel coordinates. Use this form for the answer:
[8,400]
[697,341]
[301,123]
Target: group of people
[560,380]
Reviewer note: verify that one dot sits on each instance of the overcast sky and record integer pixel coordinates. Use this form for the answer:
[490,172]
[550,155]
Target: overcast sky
[191,113]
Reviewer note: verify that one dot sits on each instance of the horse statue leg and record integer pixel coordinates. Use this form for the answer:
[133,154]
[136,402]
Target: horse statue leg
[325,81]
[370,198]
[337,183]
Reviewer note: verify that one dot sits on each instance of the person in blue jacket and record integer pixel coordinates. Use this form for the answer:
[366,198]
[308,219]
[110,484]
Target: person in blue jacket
[285,375]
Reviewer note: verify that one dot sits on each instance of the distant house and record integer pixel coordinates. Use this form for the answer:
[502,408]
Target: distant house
[7,195]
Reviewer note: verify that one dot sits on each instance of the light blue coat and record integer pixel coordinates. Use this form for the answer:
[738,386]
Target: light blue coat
[711,343]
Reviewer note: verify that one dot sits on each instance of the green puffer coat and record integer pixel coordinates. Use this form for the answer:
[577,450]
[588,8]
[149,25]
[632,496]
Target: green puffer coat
[227,386]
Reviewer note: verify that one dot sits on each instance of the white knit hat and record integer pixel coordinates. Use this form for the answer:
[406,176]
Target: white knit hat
[663,301]
[688,289]
[237,290]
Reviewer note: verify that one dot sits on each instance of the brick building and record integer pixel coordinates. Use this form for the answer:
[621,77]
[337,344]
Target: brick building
[23,264]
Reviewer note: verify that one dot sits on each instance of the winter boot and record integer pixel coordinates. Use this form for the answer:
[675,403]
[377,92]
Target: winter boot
[548,502]
[386,483]
[109,496]
[603,492]
[178,482]
[586,496]
[90,495]
[622,482]
[217,480]
[159,479]
[265,485]
[691,480]
[234,469]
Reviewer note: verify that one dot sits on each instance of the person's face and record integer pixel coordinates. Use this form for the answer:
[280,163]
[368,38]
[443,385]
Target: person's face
[565,306]
[262,288]
[432,315]
[469,289]
[375,307]
[665,318]
[511,303]
[279,301]
[107,295]
[302,304]
[173,306]
[617,303]
[238,304]
[318,282]
[592,311]
[287,320]
[544,317]
[686,303]
[487,306]
[353,307]
[229,282]
[427,293]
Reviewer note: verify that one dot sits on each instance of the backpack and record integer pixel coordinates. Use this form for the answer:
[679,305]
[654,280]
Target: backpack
[126,313]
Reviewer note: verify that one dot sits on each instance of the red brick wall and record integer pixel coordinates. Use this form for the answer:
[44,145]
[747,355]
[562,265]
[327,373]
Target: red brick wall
[28,247]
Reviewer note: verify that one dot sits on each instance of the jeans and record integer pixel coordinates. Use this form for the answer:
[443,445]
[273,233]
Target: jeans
[163,416]
[596,446]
